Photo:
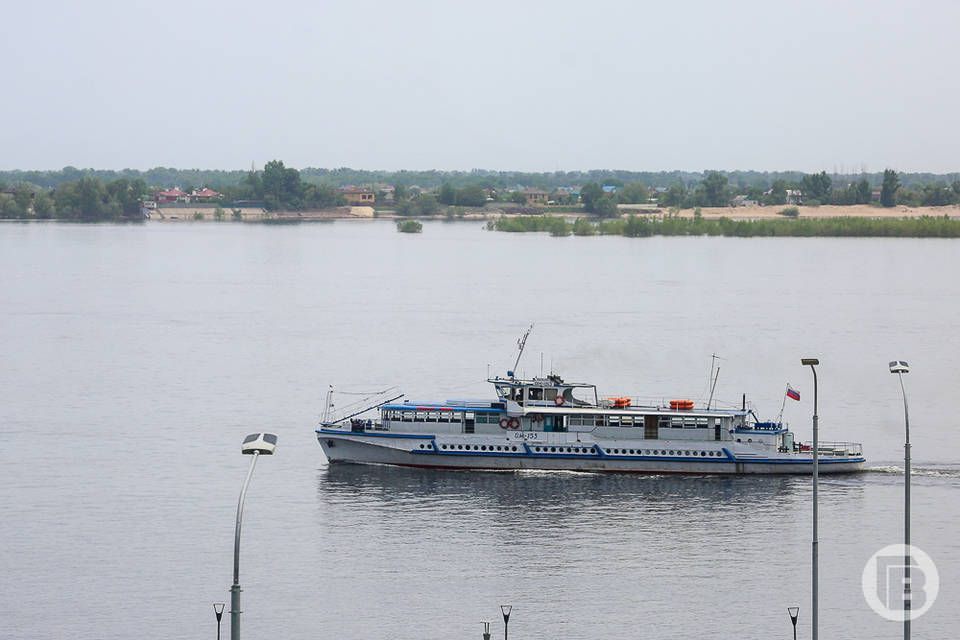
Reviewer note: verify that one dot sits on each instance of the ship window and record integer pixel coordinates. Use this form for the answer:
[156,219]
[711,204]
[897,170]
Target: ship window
[408,416]
[676,423]
[664,422]
[550,394]
[614,421]
[626,421]
[456,416]
[433,416]
[421,416]
[535,393]
[689,423]
[701,423]
[599,421]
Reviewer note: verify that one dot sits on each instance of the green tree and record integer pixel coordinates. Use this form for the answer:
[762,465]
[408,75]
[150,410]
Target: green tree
[816,187]
[675,196]
[864,193]
[715,189]
[633,193]
[43,205]
[605,207]
[400,193]
[447,195]
[590,193]
[888,190]
[778,193]
[471,196]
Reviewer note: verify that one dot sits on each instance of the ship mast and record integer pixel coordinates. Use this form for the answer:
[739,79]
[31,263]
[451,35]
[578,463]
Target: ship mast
[521,343]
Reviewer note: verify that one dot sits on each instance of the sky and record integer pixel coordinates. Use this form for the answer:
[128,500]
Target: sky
[837,85]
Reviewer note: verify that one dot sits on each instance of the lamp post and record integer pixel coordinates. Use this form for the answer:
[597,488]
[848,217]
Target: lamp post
[900,367]
[505,609]
[218,611]
[486,630]
[794,614]
[812,363]
[254,445]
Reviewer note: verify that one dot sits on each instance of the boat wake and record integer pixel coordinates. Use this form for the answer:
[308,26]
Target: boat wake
[924,472]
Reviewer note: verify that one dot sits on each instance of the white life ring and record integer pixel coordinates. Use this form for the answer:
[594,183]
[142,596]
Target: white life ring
[504,423]
[558,401]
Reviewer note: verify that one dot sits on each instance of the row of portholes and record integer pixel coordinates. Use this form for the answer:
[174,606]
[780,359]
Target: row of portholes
[564,450]
[475,447]
[575,450]
[663,452]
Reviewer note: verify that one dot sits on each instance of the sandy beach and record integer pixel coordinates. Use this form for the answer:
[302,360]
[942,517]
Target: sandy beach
[824,211]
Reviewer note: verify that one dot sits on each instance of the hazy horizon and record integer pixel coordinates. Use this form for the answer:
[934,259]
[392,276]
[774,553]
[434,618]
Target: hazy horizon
[532,87]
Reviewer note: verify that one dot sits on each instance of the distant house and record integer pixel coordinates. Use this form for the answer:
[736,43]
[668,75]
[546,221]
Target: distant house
[170,196]
[794,196]
[204,195]
[535,196]
[358,195]
[743,201]
[609,190]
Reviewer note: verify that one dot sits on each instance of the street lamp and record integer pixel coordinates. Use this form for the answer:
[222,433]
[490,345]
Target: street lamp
[505,609]
[794,613]
[218,611]
[486,630]
[254,445]
[900,367]
[812,363]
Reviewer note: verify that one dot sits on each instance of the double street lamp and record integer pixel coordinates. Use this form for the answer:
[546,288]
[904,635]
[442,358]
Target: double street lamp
[900,367]
[218,611]
[255,444]
[794,614]
[812,363]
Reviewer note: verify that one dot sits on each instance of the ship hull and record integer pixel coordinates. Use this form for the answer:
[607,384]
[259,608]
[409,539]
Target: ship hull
[426,451]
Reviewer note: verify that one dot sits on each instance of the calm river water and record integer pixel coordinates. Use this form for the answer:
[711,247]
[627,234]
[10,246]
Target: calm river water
[135,358]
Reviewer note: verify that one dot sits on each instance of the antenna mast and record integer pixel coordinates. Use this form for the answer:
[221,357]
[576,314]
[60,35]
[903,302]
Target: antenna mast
[521,343]
[715,377]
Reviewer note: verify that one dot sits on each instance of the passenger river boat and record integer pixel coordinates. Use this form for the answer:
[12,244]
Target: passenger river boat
[547,423]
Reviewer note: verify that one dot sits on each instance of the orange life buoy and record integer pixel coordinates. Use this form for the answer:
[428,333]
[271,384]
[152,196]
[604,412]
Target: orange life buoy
[504,423]
[678,405]
[558,401]
[514,423]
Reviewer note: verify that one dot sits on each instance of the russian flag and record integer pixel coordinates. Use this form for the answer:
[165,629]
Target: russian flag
[792,393]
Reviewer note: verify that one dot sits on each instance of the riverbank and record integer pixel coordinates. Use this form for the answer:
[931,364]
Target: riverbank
[645,226]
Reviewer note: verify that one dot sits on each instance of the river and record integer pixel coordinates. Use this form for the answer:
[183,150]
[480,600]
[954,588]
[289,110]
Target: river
[135,359]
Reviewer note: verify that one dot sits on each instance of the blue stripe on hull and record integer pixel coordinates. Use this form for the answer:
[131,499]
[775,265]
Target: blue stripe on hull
[600,455]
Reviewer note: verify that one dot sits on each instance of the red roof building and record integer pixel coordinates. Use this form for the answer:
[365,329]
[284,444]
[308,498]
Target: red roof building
[168,196]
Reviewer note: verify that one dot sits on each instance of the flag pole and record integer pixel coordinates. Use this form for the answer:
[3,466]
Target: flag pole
[783,403]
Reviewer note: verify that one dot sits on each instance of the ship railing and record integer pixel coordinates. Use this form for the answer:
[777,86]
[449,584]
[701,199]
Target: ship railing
[834,449]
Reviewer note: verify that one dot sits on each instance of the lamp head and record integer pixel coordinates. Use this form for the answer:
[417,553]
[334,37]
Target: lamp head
[218,609]
[899,366]
[809,361]
[505,609]
[794,612]
[262,443]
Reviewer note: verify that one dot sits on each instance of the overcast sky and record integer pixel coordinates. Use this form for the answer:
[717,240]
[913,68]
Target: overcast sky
[536,86]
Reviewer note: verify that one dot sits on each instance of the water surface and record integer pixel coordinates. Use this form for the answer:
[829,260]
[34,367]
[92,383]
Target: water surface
[135,358]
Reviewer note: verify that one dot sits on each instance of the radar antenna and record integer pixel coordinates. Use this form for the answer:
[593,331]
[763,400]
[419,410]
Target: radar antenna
[521,343]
